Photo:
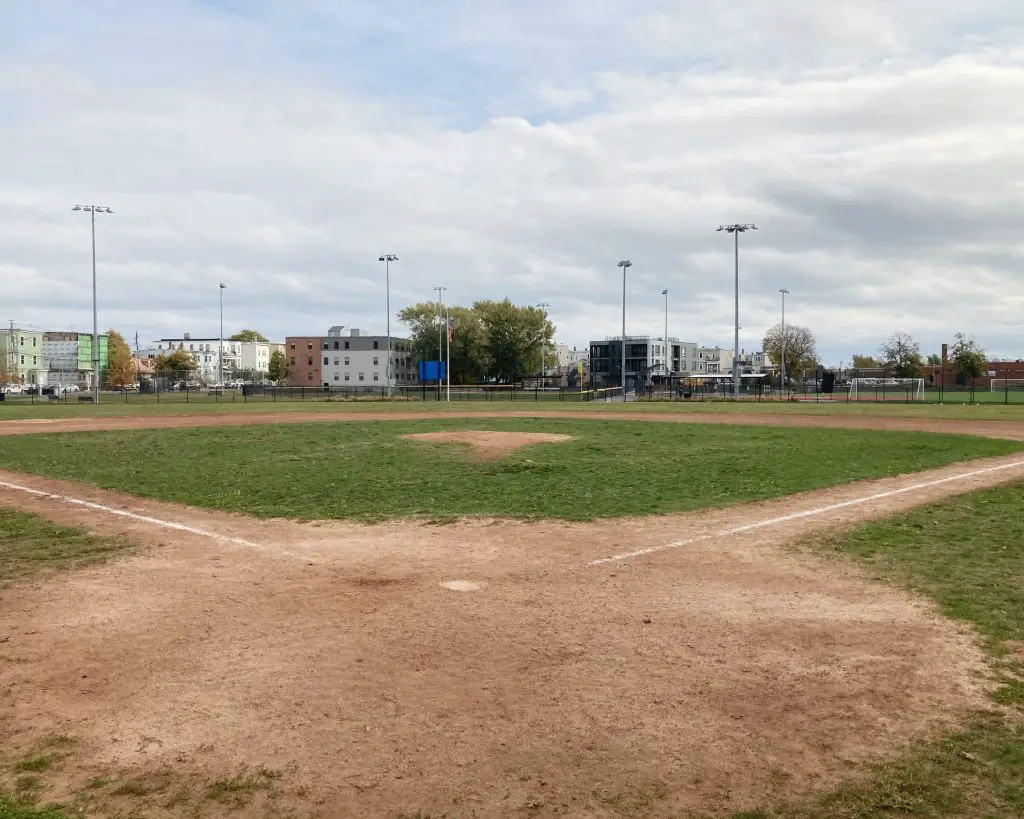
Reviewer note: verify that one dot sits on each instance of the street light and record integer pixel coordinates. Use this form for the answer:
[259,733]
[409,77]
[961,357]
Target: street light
[388,258]
[736,230]
[92,210]
[783,291]
[220,349]
[625,264]
[440,317]
[668,365]
[543,306]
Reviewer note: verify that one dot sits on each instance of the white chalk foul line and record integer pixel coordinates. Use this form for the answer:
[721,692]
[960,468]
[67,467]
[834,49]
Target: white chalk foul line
[165,524]
[809,513]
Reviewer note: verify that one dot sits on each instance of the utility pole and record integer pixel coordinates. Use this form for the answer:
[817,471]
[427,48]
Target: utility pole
[388,258]
[625,264]
[543,306]
[220,348]
[736,230]
[782,384]
[668,358]
[92,210]
[440,324]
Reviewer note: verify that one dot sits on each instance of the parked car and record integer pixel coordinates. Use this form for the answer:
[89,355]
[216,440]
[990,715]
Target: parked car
[66,388]
[13,389]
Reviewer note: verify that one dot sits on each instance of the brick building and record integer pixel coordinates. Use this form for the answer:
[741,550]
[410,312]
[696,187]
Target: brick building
[303,354]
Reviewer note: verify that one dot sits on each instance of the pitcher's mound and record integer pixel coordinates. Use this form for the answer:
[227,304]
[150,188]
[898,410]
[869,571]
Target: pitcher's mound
[490,444]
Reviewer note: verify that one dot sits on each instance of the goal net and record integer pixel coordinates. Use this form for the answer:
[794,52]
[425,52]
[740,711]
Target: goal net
[887,389]
[1007,384]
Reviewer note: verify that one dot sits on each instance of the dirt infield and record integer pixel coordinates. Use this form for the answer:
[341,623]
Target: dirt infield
[992,429]
[489,445]
[482,668]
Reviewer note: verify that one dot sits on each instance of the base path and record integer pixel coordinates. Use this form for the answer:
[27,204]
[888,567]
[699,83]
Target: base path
[484,668]
[990,429]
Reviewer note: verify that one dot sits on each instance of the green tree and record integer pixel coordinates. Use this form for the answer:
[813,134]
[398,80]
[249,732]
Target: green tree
[178,361]
[277,367]
[969,360]
[801,355]
[517,339]
[934,360]
[120,368]
[901,355]
[865,362]
[248,335]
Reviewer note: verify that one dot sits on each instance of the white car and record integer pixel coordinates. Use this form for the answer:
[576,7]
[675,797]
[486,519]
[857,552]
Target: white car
[13,389]
[68,388]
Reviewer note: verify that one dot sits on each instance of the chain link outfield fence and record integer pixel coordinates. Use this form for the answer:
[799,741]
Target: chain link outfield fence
[819,389]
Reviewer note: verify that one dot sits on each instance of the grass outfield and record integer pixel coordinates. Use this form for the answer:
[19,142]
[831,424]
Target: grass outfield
[966,555]
[368,472]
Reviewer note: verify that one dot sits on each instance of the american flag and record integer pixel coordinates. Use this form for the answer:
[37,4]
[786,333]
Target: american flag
[451,331]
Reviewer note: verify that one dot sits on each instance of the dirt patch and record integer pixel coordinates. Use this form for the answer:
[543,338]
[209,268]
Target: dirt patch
[1015,648]
[711,677]
[489,445]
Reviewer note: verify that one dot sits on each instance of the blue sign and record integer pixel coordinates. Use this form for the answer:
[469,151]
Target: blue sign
[431,371]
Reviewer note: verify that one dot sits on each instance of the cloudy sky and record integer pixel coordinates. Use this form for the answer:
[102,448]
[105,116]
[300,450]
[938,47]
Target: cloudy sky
[518,148]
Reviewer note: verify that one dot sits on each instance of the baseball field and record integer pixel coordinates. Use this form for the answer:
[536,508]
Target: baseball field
[512,611]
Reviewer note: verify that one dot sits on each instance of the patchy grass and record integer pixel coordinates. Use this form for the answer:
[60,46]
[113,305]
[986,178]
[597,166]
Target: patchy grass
[10,809]
[239,790]
[30,546]
[966,554]
[368,472]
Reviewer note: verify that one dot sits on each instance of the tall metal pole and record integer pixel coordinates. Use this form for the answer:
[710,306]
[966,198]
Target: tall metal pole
[388,258]
[220,348]
[95,322]
[625,264]
[542,306]
[783,291]
[440,325]
[736,230]
[448,355]
[668,360]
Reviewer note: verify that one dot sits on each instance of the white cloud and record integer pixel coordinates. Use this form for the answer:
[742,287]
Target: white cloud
[876,145]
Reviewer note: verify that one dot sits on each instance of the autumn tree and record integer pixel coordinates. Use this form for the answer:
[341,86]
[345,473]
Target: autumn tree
[801,355]
[277,367]
[120,368]
[968,359]
[865,362]
[178,361]
[901,355]
[248,335]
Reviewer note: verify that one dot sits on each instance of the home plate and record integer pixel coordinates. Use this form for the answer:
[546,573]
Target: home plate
[459,585]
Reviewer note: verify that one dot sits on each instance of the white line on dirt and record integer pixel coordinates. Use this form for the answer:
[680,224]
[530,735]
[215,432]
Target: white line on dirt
[166,524]
[809,513]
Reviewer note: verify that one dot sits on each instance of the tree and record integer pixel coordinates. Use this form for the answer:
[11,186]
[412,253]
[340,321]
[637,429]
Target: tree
[934,360]
[249,335]
[120,368]
[178,361]
[902,356]
[801,355]
[864,362]
[277,368]
[969,360]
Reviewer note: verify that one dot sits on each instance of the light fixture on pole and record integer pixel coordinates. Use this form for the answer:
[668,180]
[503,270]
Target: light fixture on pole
[782,383]
[388,258]
[220,348]
[736,230]
[625,264]
[542,306]
[92,210]
[440,325]
[668,358]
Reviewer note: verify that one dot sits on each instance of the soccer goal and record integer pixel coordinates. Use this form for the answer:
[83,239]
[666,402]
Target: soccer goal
[1007,384]
[887,389]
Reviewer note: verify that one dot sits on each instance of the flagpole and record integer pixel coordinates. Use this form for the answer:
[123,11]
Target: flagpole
[448,356]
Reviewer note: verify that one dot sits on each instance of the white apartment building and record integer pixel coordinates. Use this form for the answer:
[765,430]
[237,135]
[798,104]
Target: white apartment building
[754,362]
[237,355]
[567,358]
[350,359]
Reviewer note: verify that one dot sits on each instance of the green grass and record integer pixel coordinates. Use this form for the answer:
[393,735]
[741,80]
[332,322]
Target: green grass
[30,546]
[966,554]
[368,472]
[954,407]
[10,809]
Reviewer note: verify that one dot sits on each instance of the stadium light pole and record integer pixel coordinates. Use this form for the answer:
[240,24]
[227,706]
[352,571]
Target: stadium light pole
[388,258]
[668,365]
[625,264]
[542,306]
[440,324]
[783,291]
[736,230]
[220,349]
[92,210]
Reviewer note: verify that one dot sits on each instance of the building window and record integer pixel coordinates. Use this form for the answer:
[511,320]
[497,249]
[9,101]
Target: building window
[376,376]
[309,376]
[33,341]
[335,345]
[325,345]
[292,359]
[335,361]
[376,345]
[309,360]
[348,377]
[293,347]
[346,361]
[23,359]
[336,377]
[346,345]
[326,361]
[309,345]
[376,361]
[362,377]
